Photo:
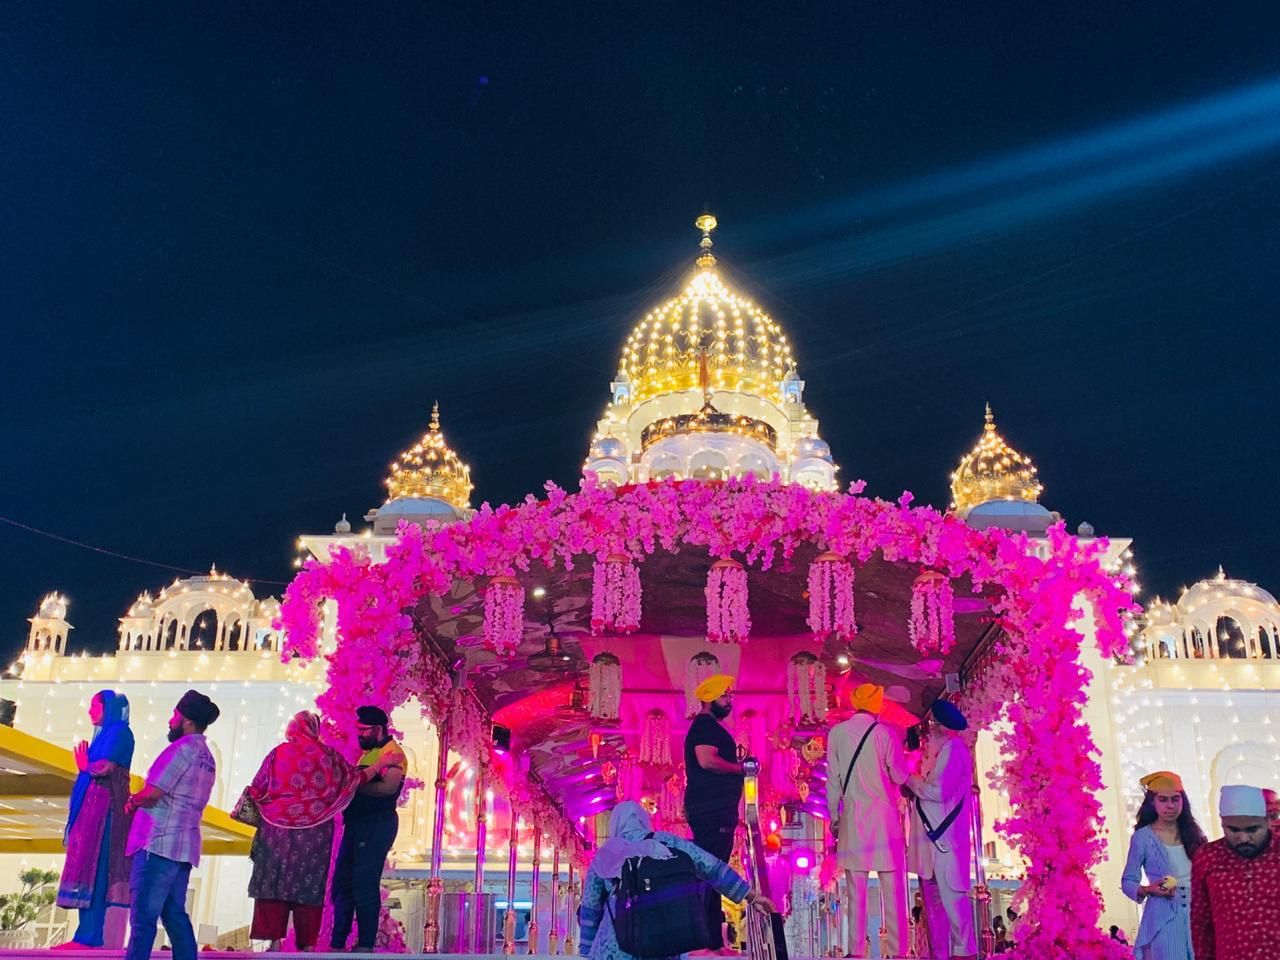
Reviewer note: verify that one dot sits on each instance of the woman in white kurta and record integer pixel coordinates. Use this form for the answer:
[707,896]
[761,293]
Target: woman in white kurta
[863,802]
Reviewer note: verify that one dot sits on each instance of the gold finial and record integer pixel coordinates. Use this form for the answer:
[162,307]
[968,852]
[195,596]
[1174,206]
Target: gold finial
[435,417]
[991,421]
[706,223]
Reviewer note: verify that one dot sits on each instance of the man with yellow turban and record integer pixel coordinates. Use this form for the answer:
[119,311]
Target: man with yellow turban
[866,766]
[713,774]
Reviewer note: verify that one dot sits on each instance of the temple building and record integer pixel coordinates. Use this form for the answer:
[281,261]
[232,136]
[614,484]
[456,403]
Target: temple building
[706,387]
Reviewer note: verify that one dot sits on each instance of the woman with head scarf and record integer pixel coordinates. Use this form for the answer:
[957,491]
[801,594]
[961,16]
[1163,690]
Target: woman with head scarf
[1166,838]
[631,835]
[96,873]
[299,789]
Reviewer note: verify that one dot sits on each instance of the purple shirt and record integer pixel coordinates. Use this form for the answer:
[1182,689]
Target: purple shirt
[184,773]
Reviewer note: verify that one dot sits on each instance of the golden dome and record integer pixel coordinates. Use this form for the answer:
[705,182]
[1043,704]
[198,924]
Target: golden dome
[743,348]
[993,470]
[429,469]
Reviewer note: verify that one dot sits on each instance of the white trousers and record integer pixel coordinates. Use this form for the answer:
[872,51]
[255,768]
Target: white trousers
[949,914]
[893,910]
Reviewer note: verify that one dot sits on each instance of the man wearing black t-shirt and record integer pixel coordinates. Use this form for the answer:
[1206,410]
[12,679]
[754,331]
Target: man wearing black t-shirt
[714,778]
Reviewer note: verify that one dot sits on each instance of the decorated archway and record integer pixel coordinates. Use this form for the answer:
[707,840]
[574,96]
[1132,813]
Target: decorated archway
[796,584]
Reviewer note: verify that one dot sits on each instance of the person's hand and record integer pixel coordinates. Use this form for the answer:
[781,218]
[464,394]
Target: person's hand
[129,805]
[81,753]
[1155,890]
[763,904]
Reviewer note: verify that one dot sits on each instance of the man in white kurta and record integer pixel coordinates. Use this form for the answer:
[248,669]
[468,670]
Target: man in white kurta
[942,863]
[868,824]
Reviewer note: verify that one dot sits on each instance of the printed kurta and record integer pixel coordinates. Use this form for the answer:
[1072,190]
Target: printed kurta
[1235,903]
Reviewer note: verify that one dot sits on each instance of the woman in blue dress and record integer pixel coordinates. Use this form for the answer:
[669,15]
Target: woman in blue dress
[629,836]
[1166,839]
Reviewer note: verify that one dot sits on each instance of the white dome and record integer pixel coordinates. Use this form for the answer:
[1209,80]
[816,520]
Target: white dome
[53,607]
[608,448]
[407,507]
[1020,515]
[1220,588]
[812,448]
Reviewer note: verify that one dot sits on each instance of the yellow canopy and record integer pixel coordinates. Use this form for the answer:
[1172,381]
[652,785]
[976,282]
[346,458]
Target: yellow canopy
[35,785]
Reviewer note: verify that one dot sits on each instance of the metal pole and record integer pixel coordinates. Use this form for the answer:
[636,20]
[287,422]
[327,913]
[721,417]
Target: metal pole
[435,885]
[509,922]
[981,892]
[553,940]
[569,893]
[481,836]
[533,891]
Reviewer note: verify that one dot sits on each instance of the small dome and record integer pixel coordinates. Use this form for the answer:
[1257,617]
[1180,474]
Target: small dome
[742,347]
[53,607]
[1019,515]
[409,507]
[993,470]
[811,448]
[1221,587]
[268,607]
[343,525]
[430,469]
[608,448]
[1085,530]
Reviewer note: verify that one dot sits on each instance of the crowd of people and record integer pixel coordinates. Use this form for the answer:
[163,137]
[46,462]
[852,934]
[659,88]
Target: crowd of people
[1200,900]
[1205,900]
[136,850]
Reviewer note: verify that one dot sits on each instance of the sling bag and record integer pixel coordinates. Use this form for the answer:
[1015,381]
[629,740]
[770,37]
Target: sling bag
[849,773]
[935,832]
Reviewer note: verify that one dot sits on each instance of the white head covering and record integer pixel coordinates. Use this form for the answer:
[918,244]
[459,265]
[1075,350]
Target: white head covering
[629,824]
[1239,800]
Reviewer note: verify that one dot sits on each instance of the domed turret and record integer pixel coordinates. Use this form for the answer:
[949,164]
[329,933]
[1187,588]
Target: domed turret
[427,483]
[706,387]
[995,485]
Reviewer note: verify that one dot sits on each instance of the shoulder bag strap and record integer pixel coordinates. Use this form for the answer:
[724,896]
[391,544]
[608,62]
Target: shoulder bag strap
[935,832]
[861,743]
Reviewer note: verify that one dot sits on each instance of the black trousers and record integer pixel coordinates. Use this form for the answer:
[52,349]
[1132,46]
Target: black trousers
[715,837]
[357,877]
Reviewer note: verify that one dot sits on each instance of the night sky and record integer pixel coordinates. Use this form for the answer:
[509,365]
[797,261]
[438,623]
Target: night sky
[245,246]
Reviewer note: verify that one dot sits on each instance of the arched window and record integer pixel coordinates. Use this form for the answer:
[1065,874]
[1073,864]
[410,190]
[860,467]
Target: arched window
[1267,643]
[1231,642]
[709,465]
[1198,649]
[203,633]
[665,466]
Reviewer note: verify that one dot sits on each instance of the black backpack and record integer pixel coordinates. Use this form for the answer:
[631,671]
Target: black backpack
[661,908]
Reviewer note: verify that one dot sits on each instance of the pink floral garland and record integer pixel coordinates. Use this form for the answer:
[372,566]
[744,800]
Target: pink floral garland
[1036,682]
[932,626]
[615,595]
[503,615]
[831,609]
[728,618]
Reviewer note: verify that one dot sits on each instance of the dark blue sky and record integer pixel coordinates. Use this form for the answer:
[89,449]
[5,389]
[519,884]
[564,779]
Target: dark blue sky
[245,246]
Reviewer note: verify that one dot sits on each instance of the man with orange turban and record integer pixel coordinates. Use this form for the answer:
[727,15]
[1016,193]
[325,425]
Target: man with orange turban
[713,773]
[866,766]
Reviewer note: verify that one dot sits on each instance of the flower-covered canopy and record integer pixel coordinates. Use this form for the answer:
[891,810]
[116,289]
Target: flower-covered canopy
[516,595]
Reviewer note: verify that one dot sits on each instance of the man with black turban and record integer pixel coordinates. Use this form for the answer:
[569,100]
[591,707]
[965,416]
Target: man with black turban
[164,839]
[370,826]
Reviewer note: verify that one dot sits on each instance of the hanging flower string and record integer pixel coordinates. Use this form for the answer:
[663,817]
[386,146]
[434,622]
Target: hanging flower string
[728,619]
[615,595]
[831,610]
[933,624]
[503,615]
[1049,771]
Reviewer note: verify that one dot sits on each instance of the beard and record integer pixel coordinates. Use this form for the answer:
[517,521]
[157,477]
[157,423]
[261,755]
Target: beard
[720,712]
[368,743]
[175,734]
[1249,850]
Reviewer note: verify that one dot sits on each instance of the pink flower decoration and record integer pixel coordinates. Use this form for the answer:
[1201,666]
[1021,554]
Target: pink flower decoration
[831,610]
[503,615]
[933,624]
[728,619]
[615,595]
